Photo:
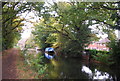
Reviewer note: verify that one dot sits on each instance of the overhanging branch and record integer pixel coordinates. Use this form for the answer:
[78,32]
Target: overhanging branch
[103,22]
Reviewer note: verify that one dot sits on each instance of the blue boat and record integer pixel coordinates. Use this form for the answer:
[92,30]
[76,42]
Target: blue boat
[50,53]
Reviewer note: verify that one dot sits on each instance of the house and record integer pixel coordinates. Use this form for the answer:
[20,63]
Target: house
[99,45]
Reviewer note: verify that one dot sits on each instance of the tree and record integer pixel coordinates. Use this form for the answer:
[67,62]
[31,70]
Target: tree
[71,21]
[105,13]
[11,24]
[44,35]
[11,21]
[69,25]
[115,51]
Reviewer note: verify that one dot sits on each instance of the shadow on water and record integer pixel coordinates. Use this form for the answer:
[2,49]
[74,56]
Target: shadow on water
[77,69]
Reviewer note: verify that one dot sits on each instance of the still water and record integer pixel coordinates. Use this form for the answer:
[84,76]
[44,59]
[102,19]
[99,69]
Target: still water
[78,69]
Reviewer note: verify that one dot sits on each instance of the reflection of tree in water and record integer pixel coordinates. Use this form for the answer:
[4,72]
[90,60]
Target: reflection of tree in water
[65,69]
[72,69]
[103,72]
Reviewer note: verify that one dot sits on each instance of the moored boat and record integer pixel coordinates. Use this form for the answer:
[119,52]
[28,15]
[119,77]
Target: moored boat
[50,53]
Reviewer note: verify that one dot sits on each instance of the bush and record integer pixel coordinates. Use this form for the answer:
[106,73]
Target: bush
[104,58]
[93,52]
[35,62]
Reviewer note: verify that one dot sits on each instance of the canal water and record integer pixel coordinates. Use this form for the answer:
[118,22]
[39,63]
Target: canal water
[78,69]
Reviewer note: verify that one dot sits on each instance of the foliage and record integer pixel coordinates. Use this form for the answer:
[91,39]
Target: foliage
[66,24]
[11,21]
[35,62]
[66,29]
[11,25]
[115,51]
[104,58]
[94,51]
[30,43]
[70,22]
[41,38]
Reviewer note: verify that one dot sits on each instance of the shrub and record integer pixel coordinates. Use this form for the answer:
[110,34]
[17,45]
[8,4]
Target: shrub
[93,52]
[104,58]
[35,62]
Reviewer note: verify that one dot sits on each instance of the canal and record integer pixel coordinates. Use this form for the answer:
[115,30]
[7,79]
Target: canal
[76,68]
[72,68]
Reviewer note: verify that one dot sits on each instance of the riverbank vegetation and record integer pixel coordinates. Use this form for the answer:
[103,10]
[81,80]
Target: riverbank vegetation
[35,62]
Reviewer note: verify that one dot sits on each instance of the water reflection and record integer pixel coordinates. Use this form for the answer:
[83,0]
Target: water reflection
[96,74]
[101,75]
[87,70]
[54,62]
[76,69]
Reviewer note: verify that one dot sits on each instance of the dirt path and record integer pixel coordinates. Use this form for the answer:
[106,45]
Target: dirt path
[13,66]
[9,69]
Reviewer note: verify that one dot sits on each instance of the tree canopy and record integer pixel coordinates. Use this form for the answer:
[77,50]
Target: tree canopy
[66,24]
[63,24]
[12,22]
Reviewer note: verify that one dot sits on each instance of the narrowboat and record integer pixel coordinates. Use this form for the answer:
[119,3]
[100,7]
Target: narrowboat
[50,53]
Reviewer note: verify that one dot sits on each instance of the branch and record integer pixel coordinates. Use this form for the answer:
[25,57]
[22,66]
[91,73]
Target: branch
[17,24]
[14,27]
[102,7]
[15,4]
[57,31]
[108,8]
[111,26]
[102,22]
[11,17]
[3,3]
[49,31]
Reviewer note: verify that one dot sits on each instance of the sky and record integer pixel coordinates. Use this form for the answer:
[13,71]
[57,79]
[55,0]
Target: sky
[28,26]
[93,27]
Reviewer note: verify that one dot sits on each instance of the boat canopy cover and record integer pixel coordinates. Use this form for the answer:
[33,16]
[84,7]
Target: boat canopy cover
[49,49]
